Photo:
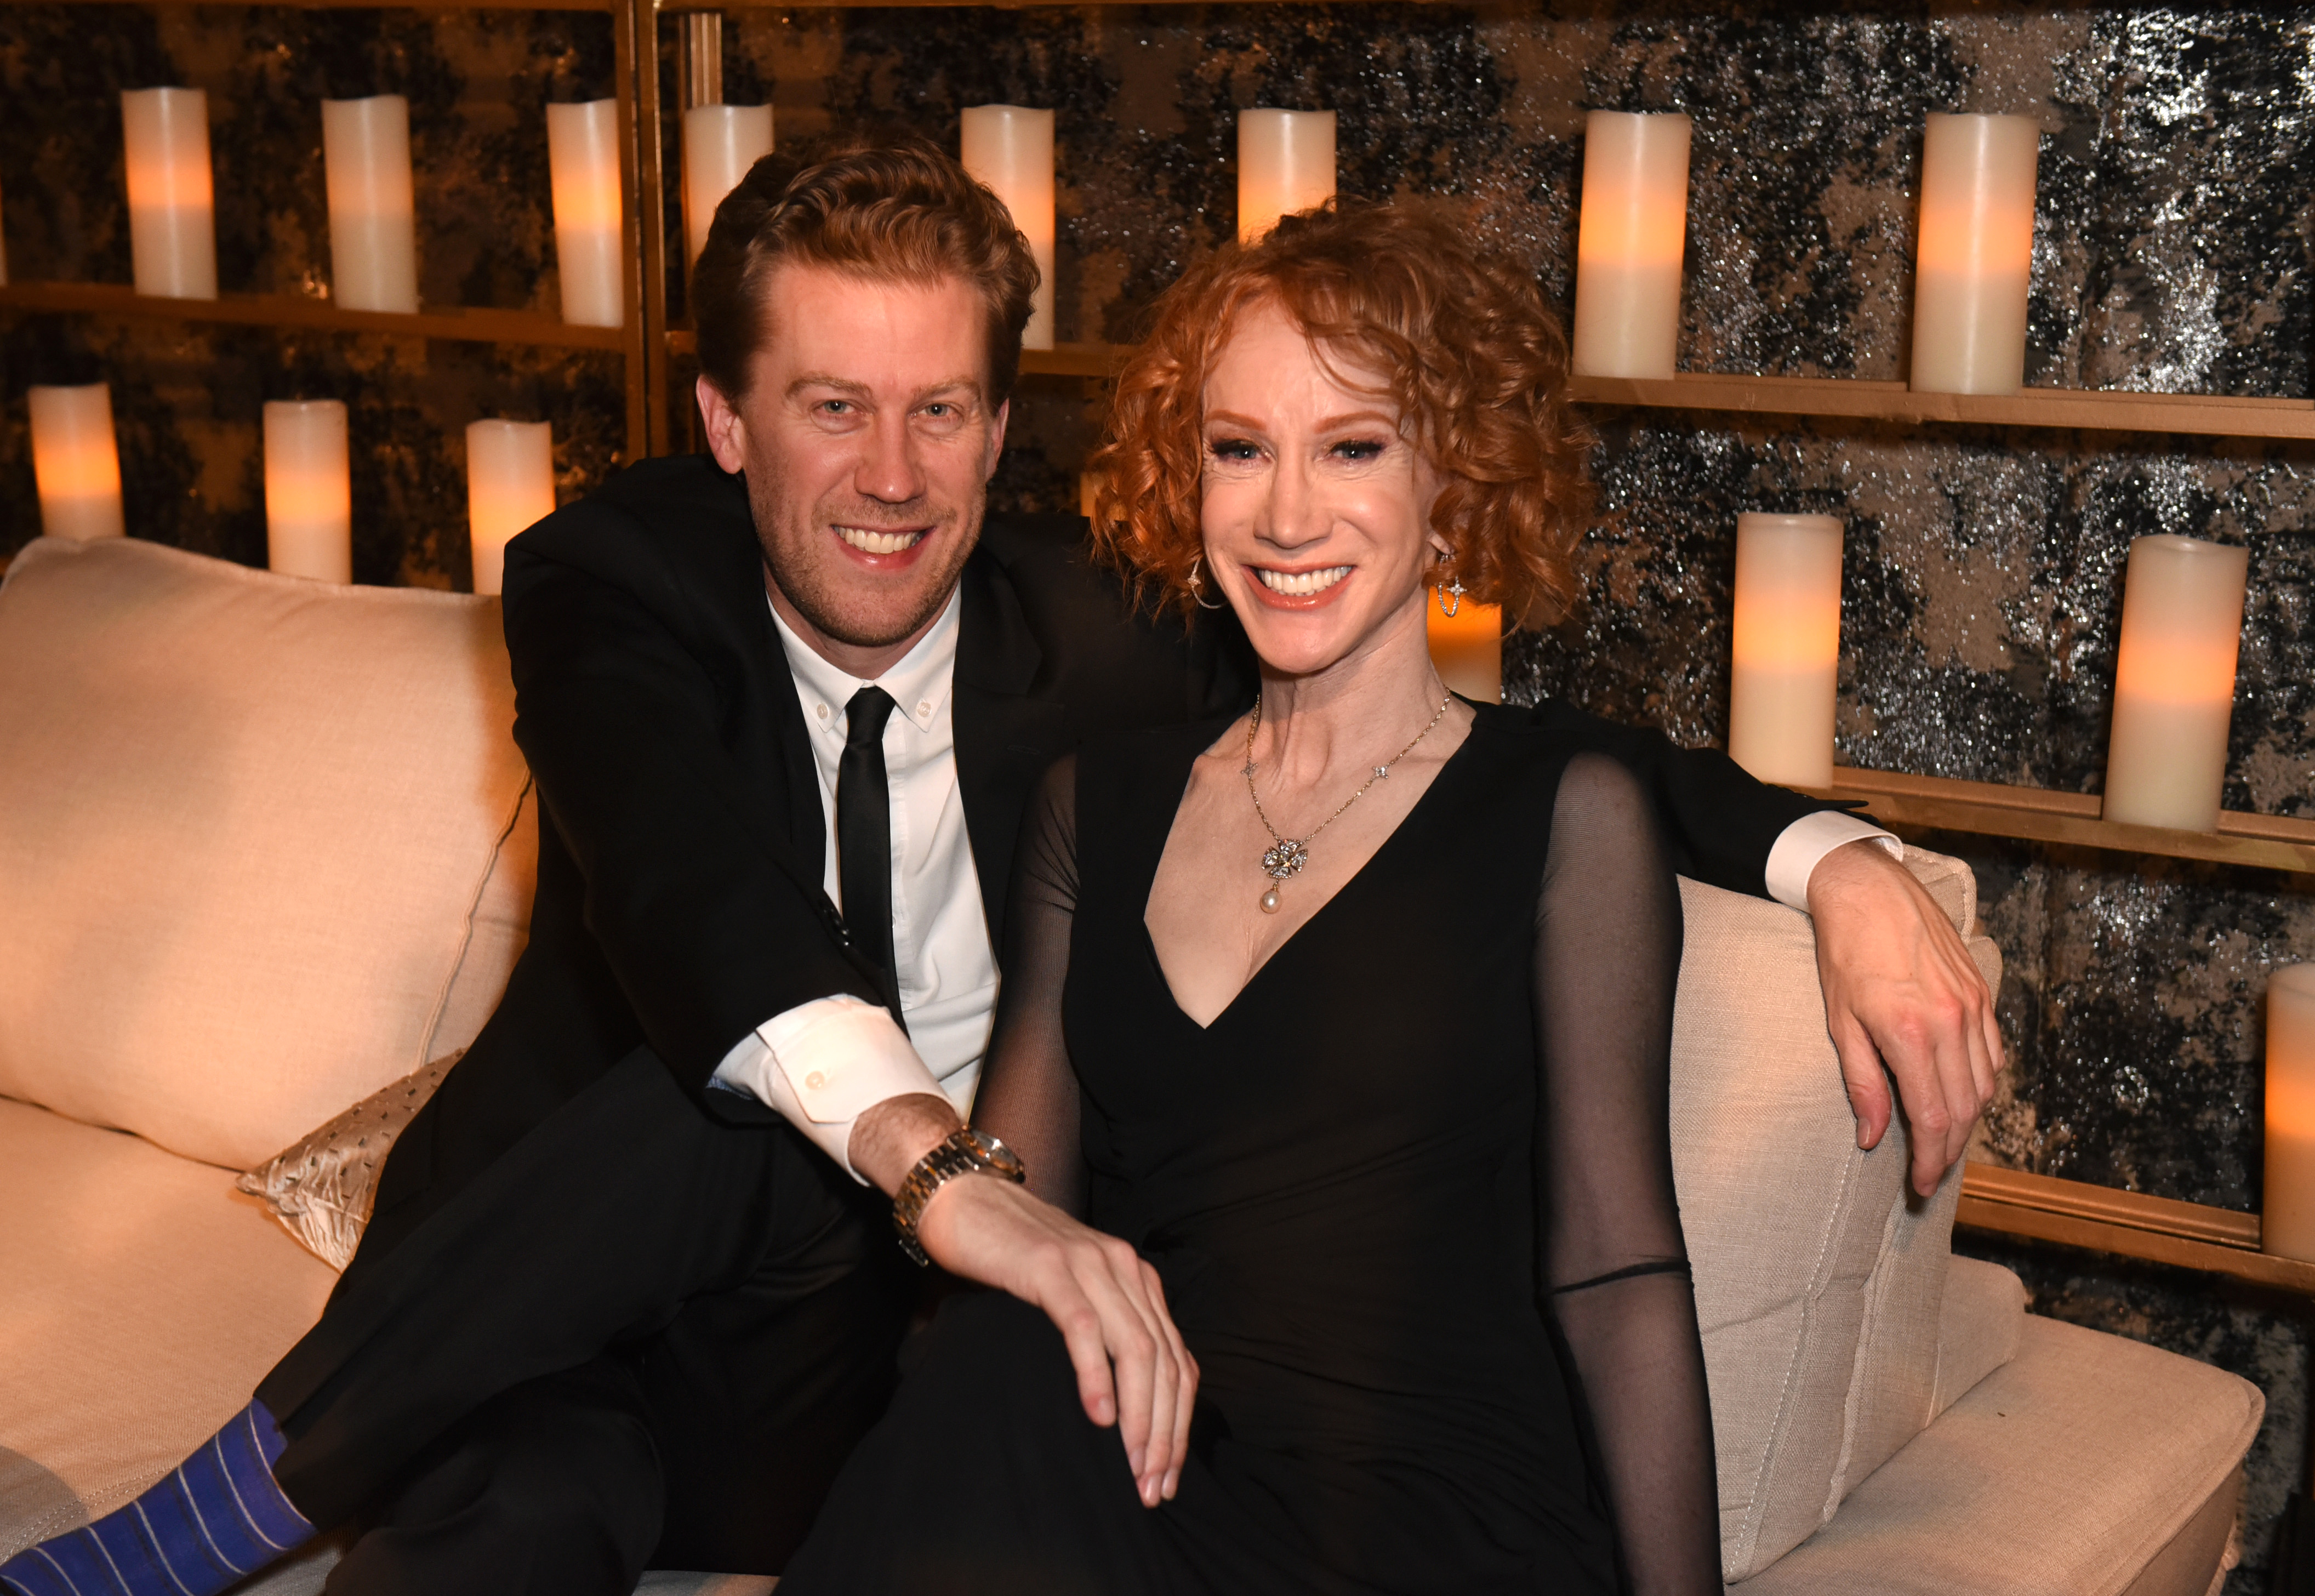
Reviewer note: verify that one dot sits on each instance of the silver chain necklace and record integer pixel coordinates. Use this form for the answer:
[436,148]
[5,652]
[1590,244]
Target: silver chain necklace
[1286,856]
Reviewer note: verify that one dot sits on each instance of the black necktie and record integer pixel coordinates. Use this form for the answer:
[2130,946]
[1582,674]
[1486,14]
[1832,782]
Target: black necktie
[863,829]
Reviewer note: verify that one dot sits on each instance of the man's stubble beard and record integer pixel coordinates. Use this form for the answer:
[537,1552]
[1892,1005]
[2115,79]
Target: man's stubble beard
[821,602]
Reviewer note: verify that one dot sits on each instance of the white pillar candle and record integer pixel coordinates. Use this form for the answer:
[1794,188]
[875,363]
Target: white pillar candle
[1285,163]
[509,485]
[1628,242]
[1786,665]
[720,143]
[2287,1212]
[2174,682]
[1010,148]
[75,465]
[1467,648]
[582,158]
[172,210]
[373,215]
[309,517]
[1975,254]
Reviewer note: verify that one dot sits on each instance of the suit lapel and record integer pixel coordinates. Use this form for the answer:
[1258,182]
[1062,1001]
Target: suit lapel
[1005,738]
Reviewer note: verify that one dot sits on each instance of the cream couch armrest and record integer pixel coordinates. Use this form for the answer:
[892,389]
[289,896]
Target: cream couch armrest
[1984,1316]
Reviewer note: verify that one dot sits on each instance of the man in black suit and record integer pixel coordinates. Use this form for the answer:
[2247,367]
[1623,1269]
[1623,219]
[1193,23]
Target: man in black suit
[629,1290]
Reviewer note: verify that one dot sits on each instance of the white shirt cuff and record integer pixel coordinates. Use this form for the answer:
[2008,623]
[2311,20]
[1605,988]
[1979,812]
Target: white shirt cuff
[1801,846]
[823,1064]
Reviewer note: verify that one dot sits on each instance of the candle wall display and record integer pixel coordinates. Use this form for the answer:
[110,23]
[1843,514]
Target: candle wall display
[1285,163]
[373,211]
[2174,682]
[582,158]
[1010,148]
[1467,648]
[1975,254]
[309,517]
[509,485]
[1630,237]
[720,143]
[2286,1224]
[75,465]
[172,208]
[1786,666]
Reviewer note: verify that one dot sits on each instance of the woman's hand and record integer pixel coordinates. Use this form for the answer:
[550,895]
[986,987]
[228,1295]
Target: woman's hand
[1132,1370]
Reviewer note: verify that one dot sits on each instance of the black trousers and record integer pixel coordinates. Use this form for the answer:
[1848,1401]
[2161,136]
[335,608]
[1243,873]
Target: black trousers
[637,1335]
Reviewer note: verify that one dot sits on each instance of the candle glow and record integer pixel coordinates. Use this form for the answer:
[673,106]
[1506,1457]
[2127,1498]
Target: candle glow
[373,209]
[1285,163]
[172,208]
[509,485]
[2287,1216]
[308,492]
[582,158]
[1630,237]
[1010,148]
[1975,254]
[1786,671]
[1467,648]
[720,143]
[2174,682]
[75,465]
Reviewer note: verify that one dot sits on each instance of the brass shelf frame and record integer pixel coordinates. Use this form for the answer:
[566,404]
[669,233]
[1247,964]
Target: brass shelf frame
[2159,1230]
[2036,814]
[1843,398]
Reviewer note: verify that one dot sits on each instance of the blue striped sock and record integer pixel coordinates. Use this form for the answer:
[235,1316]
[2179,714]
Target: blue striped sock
[218,1517]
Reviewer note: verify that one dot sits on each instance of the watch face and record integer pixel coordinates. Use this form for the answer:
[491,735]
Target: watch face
[1002,1158]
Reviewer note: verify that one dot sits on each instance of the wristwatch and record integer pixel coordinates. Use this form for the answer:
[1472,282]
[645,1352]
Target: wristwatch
[966,1151]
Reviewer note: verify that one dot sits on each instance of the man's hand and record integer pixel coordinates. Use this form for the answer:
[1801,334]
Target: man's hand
[1132,1370]
[1106,1299]
[1900,989]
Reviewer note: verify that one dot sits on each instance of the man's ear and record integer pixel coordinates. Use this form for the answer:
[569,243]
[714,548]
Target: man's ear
[727,434]
[996,441]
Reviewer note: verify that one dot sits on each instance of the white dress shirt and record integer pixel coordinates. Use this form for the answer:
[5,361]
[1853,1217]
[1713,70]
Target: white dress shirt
[823,1064]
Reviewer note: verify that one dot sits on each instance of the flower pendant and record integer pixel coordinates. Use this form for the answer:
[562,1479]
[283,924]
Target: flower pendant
[1281,859]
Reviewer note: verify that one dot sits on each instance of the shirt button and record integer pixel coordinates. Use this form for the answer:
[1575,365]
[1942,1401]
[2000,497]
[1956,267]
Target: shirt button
[816,1080]
[924,708]
[823,712]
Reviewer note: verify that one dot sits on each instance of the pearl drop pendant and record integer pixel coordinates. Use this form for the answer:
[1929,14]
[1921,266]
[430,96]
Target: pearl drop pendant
[1270,901]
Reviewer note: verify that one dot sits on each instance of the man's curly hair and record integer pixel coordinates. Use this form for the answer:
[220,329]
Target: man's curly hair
[1396,302]
[901,211]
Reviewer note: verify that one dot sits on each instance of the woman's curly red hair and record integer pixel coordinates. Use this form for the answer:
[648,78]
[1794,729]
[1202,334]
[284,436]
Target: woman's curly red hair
[1475,360]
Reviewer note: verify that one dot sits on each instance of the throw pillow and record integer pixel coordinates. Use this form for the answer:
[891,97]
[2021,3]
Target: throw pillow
[322,1185]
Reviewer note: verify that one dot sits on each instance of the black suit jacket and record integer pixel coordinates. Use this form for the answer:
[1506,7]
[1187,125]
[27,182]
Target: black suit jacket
[682,843]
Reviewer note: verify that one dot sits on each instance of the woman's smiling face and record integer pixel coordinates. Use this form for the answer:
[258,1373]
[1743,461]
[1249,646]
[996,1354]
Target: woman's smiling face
[1314,506]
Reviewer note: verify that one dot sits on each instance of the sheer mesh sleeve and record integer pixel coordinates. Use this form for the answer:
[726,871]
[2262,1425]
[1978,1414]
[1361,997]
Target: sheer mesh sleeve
[1028,1096]
[1607,959]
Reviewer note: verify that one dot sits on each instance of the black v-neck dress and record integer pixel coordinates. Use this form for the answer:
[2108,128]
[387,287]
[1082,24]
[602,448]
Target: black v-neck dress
[1381,1189]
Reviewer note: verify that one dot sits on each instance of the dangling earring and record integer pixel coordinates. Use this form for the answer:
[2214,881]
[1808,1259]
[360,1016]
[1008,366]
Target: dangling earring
[1197,584]
[1451,597]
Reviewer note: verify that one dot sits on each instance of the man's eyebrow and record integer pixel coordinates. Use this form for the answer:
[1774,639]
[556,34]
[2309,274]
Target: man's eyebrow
[859,390]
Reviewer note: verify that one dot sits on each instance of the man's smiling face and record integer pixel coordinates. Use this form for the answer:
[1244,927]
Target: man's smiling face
[867,440]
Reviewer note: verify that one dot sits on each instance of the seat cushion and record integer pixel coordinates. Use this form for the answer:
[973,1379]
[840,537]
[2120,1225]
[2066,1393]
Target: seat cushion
[1818,1283]
[261,840]
[2078,1466]
[144,1298]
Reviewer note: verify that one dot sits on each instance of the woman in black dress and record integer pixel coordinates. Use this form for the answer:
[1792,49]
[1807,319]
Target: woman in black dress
[1352,1016]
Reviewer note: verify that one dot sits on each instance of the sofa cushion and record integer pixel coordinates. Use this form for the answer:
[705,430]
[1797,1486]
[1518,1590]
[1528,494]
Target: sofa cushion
[144,1299]
[2079,1466]
[1984,1316]
[262,840]
[1817,1279]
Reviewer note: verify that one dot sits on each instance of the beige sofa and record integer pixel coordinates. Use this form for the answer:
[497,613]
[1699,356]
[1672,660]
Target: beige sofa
[266,847]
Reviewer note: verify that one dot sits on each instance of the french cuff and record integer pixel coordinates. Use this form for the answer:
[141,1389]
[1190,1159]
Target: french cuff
[823,1064]
[1801,846]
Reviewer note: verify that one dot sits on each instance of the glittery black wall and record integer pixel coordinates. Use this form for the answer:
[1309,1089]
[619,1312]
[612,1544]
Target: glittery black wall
[2172,253]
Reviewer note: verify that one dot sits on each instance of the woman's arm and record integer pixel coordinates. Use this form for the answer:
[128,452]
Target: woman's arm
[1615,1264]
[1028,1095]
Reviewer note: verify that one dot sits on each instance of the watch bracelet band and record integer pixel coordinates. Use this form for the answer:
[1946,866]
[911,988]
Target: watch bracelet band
[964,1151]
